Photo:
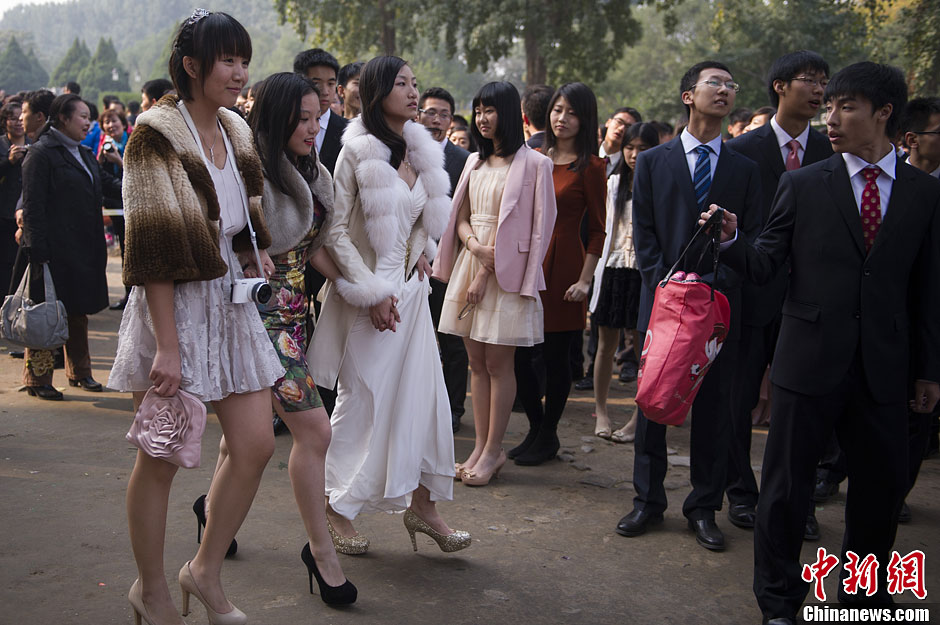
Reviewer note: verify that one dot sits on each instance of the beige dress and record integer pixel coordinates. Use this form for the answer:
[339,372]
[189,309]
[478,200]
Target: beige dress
[501,318]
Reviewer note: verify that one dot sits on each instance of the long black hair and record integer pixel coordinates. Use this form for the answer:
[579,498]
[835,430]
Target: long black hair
[504,97]
[646,133]
[376,81]
[274,118]
[205,37]
[580,98]
[63,106]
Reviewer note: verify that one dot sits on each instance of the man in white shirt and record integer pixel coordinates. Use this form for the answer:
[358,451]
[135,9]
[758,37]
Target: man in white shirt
[921,127]
[616,127]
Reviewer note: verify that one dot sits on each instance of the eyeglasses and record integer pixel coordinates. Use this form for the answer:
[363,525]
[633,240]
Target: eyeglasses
[926,132]
[717,84]
[432,113]
[812,82]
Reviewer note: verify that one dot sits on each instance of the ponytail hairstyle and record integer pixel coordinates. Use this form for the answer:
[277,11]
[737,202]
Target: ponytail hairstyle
[376,81]
[273,119]
[205,37]
[580,98]
[63,106]
[646,133]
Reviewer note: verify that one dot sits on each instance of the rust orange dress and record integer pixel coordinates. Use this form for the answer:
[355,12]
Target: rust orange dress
[575,193]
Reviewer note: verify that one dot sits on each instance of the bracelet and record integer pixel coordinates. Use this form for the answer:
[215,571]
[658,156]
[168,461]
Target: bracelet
[467,242]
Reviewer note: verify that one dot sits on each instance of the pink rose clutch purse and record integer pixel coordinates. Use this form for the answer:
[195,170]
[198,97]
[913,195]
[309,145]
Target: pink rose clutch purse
[170,428]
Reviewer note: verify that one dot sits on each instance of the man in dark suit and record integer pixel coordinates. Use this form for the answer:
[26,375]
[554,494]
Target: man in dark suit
[796,84]
[321,68]
[859,330]
[535,101]
[435,110]
[671,183]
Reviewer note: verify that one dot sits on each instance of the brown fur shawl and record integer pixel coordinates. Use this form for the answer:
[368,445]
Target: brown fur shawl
[170,205]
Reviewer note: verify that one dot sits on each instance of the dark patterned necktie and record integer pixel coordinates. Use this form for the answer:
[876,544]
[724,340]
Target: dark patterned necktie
[870,209]
[702,176]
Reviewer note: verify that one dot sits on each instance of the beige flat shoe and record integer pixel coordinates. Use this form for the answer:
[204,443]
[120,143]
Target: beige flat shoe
[622,436]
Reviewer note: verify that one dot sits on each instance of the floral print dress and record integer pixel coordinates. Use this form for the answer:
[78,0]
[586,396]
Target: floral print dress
[285,317]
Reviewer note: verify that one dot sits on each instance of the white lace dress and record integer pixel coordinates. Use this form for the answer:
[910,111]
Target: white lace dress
[391,424]
[224,347]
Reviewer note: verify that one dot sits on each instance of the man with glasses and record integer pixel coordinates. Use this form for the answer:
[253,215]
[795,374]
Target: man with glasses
[435,111]
[921,128]
[615,128]
[795,85]
[672,184]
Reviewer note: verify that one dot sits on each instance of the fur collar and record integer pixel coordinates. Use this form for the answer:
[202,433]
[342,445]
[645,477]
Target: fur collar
[166,119]
[377,179]
[290,215]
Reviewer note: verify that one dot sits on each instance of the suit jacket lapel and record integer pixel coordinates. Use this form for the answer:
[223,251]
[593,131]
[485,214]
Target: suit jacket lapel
[675,156]
[513,188]
[901,199]
[771,151]
[836,178]
[817,148]
[723,172]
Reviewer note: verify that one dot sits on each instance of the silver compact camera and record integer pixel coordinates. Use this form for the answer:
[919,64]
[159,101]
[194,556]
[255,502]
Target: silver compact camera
[255,290]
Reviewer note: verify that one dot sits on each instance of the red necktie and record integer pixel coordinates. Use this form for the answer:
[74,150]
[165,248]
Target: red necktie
[870,210]
[793,158]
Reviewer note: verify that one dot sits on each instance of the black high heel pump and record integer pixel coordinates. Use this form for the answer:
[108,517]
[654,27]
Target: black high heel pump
[344,594]
[199,509]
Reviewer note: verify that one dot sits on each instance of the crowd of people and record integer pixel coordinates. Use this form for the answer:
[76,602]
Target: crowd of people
[404,245]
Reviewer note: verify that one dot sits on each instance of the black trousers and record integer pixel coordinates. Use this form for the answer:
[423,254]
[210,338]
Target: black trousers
[454,357]
[555,363]
[8,250]
[756,351]
[711,429]
[875,440]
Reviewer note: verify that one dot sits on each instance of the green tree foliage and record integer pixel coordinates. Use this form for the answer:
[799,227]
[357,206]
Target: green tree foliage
[75,60]
[20,70]
[919,25]
[750,34]
[104,73]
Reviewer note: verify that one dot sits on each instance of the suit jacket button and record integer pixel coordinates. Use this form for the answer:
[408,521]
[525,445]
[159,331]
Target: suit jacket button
[866,272]
[858,315]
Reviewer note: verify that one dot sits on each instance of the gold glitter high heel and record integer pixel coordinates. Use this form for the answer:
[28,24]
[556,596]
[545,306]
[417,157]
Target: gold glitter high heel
[449,543]
[354,546]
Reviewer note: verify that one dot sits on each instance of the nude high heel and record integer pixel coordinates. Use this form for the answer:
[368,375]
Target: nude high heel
[188,586]
[472,478]
[449,543]
[135,597]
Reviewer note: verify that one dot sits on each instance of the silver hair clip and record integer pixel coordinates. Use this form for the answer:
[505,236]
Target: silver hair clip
[197,15]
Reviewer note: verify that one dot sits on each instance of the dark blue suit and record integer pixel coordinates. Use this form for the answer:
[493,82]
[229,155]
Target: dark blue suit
[665,216]
[760,308]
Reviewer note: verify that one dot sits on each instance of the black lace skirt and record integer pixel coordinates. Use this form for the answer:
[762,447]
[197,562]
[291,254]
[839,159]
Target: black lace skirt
[619,301]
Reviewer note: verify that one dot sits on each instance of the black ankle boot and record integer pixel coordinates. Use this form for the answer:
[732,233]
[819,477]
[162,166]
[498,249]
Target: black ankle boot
[543,448]
[524,445]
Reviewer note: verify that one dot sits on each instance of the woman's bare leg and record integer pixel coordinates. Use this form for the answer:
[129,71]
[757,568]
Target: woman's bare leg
[246,423]
[607,339]
[311,432]
[480,399]
[502,386]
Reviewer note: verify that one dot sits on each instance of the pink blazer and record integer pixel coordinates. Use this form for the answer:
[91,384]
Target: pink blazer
[526,220]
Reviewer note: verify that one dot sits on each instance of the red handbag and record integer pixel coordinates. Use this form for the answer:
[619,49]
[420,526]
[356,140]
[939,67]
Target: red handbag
[688,325]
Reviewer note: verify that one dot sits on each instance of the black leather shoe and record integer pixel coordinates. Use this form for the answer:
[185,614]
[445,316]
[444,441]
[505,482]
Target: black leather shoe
[707,534]
[635,523]
[44,391]
[628,372]
[905,516]
[118,305]
[538,452]
[824,490]
[18,354]
[88,384]
[742,515]
[584,384]
[811,530]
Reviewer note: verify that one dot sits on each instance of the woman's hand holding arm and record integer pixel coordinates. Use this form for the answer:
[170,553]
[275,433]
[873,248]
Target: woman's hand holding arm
[250,267]
[323,262]
[478,286]
[166,372]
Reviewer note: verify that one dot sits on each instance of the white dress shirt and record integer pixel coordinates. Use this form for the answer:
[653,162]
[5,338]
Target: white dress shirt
[783,138]
[689,143]
[324,122]
[885,179]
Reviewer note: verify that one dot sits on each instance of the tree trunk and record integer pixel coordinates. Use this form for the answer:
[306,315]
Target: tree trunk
[388,27]
[535,71]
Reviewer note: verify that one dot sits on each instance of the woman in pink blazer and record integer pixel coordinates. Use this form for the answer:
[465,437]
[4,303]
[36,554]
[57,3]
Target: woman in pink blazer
[491,256]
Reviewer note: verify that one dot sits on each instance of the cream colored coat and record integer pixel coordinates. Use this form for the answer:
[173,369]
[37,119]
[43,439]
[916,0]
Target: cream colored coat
[366,195]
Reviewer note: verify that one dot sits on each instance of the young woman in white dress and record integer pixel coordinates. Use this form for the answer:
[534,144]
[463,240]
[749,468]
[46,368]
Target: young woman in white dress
[392,447]
[491,256]
[191,175]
